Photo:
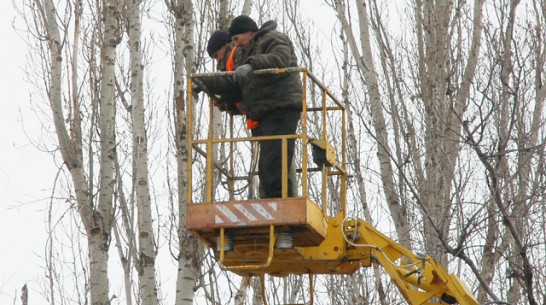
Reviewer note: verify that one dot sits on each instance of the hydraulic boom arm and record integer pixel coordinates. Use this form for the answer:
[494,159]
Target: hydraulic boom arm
[419,278]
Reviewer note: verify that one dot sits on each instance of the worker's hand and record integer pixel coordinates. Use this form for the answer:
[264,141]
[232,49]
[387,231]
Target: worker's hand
[219,104]
[197,86]
[242,71]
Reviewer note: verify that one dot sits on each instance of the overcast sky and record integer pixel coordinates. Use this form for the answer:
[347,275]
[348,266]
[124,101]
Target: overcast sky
[25,173]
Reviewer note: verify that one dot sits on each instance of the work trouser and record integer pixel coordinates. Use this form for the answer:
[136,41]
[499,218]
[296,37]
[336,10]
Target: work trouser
[279,122]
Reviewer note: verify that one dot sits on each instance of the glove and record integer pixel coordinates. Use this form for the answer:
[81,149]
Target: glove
[242,71]
[196,88]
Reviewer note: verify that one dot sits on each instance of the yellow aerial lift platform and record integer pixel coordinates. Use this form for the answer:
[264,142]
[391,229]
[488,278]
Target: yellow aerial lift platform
[281,236]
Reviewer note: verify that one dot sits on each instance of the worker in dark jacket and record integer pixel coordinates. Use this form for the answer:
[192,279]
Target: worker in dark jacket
[224,92]
[274,101]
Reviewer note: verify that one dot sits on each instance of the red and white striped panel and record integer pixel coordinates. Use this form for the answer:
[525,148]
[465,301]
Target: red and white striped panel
[248,213]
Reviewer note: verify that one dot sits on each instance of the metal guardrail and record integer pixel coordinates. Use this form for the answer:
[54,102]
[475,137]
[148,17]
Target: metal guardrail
[277,71]
[209,141]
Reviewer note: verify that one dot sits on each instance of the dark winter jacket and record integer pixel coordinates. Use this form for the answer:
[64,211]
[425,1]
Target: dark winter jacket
[264,93]
[225,86]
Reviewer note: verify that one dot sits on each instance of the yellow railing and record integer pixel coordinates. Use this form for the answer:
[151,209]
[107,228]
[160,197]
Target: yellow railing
[205,145]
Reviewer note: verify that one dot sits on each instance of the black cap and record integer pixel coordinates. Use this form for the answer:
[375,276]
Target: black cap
[217,40]
[242,24]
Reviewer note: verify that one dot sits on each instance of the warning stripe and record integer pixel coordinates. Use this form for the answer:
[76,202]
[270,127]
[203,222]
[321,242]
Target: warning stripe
[242,214]
[245,212]
[224,211]
[273,205]
[260,209]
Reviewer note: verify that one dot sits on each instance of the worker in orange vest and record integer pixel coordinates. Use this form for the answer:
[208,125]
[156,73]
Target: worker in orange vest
[220,48]
[224,92]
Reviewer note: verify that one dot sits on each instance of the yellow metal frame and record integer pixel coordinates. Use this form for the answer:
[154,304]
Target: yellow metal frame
[248,267]
[338,169]
[338,245]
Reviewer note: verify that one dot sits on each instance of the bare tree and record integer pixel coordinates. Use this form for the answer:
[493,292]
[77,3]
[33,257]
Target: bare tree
[145,262]
[183,64]
[508,142]
[96,213]
[89,100]
[440,90]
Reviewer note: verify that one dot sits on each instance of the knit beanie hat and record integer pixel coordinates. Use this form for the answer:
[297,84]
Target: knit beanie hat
[217,40]
[242,24]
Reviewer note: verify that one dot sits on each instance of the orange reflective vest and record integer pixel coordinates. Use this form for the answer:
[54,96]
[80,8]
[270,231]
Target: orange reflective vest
[230,63]
[250,123]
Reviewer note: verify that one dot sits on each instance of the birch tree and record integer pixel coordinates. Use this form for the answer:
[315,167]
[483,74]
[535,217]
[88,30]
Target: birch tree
[365,62]
[83,88]
[439,106]
[183,65]
[96,213]
[440,124]
[508,140]
[145,262]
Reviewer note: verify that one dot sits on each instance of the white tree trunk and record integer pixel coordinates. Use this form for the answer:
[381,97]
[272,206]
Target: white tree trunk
[247,7]
[189,252]
[99,283]
[97,223]
[147,246]
[99,236]
[366,67]
[224,15]
[441,144]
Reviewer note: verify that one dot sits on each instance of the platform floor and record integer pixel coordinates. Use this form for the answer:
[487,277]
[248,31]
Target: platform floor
[247,222]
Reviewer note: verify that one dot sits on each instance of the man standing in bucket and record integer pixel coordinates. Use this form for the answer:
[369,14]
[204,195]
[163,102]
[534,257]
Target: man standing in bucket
[273,101]
[224,92]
